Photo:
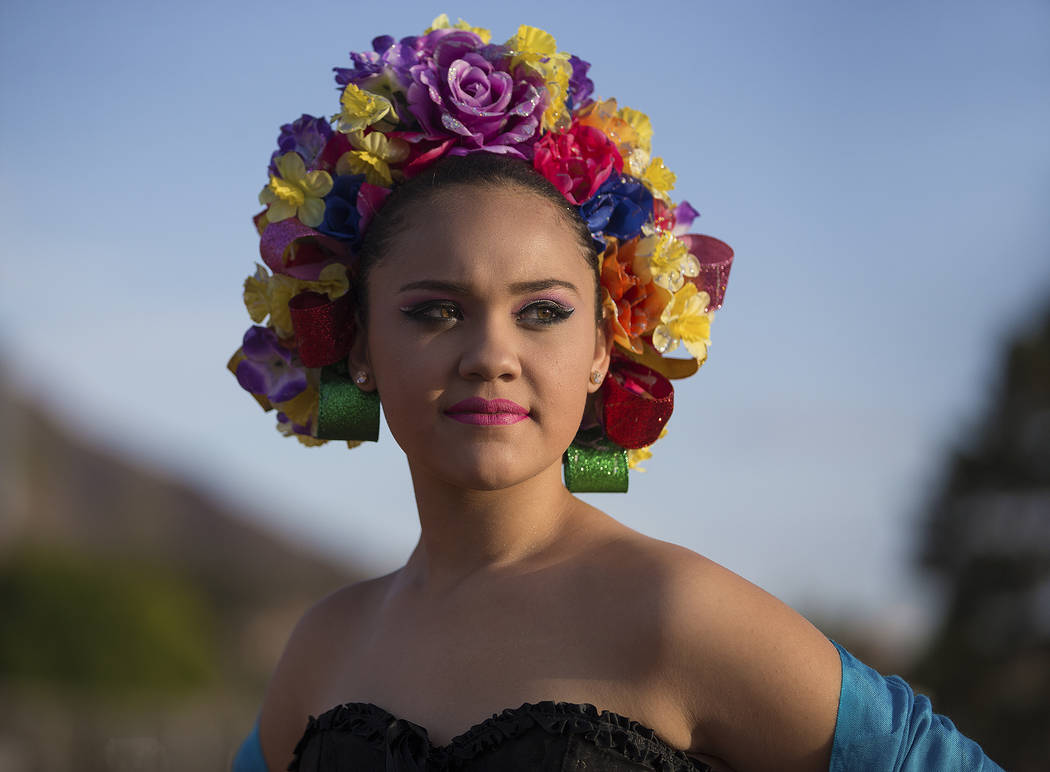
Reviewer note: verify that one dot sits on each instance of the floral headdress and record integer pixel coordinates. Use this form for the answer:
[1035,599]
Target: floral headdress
[450,92]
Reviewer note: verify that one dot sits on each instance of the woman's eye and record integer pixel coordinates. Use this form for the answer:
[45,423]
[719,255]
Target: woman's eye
[434,312]
[544,313]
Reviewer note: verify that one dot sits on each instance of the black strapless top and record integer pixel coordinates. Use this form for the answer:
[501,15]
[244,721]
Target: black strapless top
[543,736]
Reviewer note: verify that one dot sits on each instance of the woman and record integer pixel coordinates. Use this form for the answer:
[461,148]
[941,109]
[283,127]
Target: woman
[511,298]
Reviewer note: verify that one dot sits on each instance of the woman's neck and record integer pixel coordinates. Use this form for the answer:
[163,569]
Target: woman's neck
[466,531]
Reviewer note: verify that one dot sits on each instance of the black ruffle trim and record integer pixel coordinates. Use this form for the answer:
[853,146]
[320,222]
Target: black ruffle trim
[411,746]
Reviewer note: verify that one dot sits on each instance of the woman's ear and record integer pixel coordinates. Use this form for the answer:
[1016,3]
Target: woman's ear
[603,344]
[360,363]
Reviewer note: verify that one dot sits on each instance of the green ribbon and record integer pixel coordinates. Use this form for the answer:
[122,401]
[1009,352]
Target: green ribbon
[600,469]
[345,412]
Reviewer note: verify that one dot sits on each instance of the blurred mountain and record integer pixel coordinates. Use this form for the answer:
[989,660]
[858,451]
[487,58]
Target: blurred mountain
[141,617]
[987,541]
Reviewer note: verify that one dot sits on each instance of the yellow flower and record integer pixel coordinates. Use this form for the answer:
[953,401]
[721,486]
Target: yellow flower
[296,192]
[362,109]
[635,456]
[686,320]
[643,127]
[556,116]
[538,51]
[441,22]
[659,179]
[266,295]
[256,297]
[532,46]
[372,157]
[670,261]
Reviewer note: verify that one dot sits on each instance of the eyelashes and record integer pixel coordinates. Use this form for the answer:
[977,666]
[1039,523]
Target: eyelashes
[433,311]
[544,312]
[538,313]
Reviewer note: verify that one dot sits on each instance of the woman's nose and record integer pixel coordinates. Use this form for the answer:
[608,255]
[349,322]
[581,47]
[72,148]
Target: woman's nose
[489,352]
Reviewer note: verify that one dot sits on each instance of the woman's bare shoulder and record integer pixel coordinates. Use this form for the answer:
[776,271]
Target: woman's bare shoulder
[761,682]
[317,645]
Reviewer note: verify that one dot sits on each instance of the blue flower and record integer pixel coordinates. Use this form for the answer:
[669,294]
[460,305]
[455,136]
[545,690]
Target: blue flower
[620,208]
[342,219]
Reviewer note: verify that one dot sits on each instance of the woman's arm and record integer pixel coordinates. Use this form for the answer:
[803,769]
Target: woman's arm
[300,683]
[770,691]
[759,684]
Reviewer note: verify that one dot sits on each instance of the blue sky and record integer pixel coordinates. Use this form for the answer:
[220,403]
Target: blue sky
[881,170]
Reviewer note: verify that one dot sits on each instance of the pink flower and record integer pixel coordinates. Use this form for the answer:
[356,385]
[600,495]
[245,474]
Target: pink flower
[578,161]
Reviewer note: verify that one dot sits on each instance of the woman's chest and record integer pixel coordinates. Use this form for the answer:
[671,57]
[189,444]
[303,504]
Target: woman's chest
[449,673]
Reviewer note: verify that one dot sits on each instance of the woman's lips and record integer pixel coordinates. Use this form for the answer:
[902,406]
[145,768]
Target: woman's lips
[487,412]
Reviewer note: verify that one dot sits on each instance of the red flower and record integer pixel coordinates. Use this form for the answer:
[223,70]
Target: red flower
[334,148]
[578,161]
[422,152]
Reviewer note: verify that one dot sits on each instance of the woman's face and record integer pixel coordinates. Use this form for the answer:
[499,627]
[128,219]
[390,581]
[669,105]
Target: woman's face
[481,336]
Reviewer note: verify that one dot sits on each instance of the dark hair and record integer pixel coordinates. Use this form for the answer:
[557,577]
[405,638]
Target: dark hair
[477,170]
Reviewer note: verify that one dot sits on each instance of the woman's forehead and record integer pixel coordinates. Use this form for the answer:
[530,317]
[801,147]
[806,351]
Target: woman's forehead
[472,234]
[469,201]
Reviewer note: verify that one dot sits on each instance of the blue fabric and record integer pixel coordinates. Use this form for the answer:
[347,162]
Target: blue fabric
[883,725]
[250,756]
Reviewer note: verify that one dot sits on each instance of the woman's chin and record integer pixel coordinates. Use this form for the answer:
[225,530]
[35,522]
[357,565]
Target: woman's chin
[491,470]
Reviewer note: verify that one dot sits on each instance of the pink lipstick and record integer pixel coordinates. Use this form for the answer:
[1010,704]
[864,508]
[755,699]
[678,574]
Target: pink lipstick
[487,412]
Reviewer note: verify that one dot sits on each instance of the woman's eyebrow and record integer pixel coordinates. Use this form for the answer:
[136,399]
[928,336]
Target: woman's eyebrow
[518,288]
[524,287]
[436,284]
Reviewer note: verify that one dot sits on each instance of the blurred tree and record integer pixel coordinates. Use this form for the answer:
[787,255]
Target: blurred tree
[139,616]
[987,539]
[104,627]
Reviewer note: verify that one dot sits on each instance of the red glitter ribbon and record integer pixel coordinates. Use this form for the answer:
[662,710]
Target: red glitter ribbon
[715,258]
[637,403]
[324,329]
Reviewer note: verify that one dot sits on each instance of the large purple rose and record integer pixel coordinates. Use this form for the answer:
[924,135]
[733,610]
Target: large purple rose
[463,92]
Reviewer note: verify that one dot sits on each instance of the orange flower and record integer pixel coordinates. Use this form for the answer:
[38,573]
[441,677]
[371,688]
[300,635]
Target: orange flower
[633,304]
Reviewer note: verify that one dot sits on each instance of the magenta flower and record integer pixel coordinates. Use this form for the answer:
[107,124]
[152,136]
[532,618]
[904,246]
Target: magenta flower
[462,93]
[578,161]
[267,368]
